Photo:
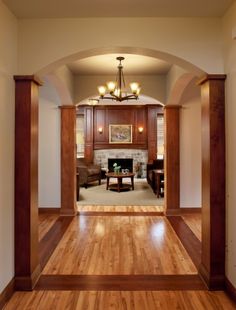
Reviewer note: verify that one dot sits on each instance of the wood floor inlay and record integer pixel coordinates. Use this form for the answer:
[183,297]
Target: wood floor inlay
[194,222]
[45,223]
[120,209]
[116,213]
[51,239]
[122,245]
[187,237]
[120,282]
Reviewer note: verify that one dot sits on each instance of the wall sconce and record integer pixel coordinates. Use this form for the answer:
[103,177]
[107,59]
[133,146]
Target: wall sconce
[100,129]
[140,129]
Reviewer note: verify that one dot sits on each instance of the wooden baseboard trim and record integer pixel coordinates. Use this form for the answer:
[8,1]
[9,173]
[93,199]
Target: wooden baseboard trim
[230,289]
[68,212]
[49,210]
[120,282]
[190,242]
[51,239]
[111,213]
[7,293]
[27,283]
[182,211]
[213,282]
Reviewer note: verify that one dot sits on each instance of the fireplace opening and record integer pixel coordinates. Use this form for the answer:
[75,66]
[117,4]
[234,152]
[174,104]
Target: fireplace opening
[125,163]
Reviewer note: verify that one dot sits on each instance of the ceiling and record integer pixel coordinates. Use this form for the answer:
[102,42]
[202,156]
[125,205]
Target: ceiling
[107,65]
[121,8]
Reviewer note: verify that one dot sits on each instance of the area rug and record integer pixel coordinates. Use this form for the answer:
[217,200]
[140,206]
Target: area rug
[98,195]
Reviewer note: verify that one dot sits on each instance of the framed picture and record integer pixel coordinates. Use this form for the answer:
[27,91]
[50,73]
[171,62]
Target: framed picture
[120,134]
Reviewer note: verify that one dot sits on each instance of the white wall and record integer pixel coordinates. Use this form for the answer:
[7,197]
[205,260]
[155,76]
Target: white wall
[173,75]
[190,148]
[8,67]
[229,23]
[49,148]
[196,40]
[67,78]
[152,86]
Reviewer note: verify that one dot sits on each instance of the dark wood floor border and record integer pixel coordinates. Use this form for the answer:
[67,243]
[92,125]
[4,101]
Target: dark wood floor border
[120,282]
[230,289]
[190,242]
[183,211]
[120,213]
[7,293]
[49,210]
[51,239]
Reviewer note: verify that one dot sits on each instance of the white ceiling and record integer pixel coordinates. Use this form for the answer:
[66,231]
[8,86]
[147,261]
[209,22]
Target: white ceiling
[107,65]
[121,8]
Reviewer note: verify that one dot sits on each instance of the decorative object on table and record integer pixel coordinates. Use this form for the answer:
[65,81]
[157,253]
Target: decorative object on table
[116,168]
[120,134]
[117,90]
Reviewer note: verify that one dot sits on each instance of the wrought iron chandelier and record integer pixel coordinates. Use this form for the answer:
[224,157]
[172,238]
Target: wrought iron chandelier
[116,90]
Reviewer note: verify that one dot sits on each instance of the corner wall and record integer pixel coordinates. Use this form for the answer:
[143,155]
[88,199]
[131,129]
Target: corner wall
[8,67]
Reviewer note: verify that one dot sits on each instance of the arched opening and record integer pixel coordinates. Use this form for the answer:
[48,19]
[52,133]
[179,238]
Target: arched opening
[206,270]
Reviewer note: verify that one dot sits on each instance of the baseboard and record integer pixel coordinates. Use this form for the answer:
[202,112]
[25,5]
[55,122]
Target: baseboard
[182,211]
[7,293]
[29,282]
[68,212]
[215,282]
[49,210]
[230,289]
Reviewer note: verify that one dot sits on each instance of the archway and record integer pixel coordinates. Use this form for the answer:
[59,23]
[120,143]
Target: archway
[212,267]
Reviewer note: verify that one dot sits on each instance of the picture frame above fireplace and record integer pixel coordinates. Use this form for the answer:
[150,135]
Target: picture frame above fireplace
[120,134]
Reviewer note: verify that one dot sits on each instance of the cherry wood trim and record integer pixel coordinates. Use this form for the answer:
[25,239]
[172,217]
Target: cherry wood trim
[208,77]
[182,211]
[172,158]
[68,160]
[120,282]
[212,267]
[30,78]
[113,213]
[49,210]
[49,242]
[7,293]
[190,242]
[26,182]
[230,289]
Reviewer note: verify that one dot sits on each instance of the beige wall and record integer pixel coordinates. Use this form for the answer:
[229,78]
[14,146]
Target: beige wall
[173,75]
[152,86]
[8,67]
[229,23]
[190,148]
[49,147]
[196,40]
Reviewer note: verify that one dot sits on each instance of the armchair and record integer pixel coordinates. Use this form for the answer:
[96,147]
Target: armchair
[88,172]
[155,175]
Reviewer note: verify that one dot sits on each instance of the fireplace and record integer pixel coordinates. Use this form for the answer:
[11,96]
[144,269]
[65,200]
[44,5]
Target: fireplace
[125,163]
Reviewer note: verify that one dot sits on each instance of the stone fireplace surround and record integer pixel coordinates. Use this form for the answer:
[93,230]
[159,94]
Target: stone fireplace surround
[101,157]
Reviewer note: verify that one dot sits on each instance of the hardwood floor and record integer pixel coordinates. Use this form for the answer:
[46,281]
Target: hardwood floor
[137,300]
[117,262]
[194,223]
[119,245]
[45,223]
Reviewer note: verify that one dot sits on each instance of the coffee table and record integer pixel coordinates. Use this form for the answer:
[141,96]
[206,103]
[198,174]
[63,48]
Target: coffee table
[119,186]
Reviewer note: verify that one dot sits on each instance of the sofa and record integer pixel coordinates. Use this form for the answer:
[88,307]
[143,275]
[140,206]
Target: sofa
[88,172]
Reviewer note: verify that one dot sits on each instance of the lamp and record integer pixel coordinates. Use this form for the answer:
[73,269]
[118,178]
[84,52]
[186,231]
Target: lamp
[100,129]
[140,129]
[116,89]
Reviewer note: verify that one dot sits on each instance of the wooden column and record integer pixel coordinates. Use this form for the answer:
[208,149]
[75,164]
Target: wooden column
[68,160]
[27,268]
[212,267]
[171,160]
[88,143]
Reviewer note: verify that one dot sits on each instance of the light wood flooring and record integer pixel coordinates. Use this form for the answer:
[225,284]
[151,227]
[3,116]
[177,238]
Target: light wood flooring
[111,245]
[138,300]
[129,245]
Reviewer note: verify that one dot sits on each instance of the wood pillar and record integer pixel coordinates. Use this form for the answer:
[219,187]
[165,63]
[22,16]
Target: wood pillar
[68,160]
[212,267]
[172,160]
[27,268]
[88,143]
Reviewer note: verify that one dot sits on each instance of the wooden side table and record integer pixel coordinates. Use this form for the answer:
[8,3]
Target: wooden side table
[158,185]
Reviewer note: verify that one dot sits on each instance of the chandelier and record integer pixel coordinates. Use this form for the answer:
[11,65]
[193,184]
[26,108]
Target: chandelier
[116,90]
